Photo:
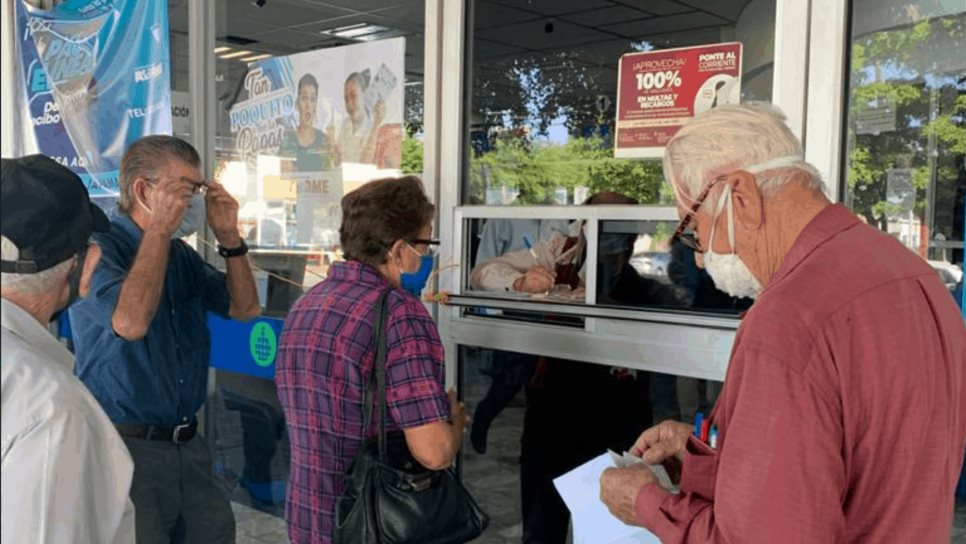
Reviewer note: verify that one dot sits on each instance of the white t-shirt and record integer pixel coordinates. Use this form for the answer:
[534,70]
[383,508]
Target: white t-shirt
[66,472]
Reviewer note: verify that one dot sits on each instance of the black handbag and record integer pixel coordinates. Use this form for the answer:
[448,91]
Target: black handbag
[389,497]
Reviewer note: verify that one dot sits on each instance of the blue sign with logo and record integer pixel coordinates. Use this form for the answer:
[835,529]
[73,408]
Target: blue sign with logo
[95,77]
[246,348]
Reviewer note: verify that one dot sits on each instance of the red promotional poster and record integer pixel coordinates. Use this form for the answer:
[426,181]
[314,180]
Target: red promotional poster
[658,91]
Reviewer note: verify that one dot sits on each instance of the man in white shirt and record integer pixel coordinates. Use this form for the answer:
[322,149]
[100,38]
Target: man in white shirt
[66,473]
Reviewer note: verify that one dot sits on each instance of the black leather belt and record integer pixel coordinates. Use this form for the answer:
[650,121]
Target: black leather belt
[178,435]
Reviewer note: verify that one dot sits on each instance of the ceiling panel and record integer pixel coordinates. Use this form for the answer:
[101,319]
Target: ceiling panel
[279,14]
[489,15]
[672,23]
[728,9]
[484,50]
[656,7]
[532,35]
[550,7]
[605,16]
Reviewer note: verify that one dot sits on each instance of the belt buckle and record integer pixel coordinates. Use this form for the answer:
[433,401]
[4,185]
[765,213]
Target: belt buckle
[176,434]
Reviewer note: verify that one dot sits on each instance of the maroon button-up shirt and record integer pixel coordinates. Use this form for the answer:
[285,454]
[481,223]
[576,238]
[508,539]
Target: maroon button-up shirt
[843,416]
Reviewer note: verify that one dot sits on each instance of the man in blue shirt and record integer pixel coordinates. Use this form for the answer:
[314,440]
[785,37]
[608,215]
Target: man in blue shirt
[141,338]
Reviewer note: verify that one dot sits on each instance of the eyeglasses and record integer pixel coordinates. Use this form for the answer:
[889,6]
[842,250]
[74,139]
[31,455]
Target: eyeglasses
[684,233]
[430,245]
[196,186]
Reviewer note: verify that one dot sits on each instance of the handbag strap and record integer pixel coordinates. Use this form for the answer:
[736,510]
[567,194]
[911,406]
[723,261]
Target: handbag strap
[378,374]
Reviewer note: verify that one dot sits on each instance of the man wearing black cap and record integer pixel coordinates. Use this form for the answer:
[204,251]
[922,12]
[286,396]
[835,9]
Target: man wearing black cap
[66,472]
[141,338]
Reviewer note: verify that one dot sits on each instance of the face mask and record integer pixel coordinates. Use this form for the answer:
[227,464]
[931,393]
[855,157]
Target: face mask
[74,280]
[415,282]
[729,272]
[192,220]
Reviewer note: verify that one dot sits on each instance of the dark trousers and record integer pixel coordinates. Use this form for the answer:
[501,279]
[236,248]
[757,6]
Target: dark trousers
[575,411]
[175,494]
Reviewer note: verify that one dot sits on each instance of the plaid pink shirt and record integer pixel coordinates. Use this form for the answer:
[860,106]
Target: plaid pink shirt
[325,358]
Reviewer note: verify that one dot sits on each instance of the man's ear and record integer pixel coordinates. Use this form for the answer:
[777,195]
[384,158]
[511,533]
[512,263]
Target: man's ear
[747,199]
[90,264]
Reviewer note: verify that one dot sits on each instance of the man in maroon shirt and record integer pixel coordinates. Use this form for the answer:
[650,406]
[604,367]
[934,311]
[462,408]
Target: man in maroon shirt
[842,417]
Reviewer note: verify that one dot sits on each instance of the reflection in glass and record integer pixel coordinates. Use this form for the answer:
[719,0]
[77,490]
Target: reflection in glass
[906,127]
[541,97]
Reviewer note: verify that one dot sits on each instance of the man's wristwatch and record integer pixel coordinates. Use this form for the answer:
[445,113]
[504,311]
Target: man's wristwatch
[233,252]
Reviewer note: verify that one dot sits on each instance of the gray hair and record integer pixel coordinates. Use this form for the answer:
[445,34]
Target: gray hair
[31,284]
[146,158]
[728,138]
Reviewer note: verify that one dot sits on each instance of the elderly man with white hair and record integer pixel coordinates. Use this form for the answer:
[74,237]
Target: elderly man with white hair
[66,472]
[842,417]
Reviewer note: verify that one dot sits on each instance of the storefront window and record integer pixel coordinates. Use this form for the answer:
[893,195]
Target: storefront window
[313,101]
[542,86]
[906,126]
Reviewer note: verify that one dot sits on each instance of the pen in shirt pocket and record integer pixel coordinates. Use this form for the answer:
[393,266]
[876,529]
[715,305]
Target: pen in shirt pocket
[705,431]
[526,242]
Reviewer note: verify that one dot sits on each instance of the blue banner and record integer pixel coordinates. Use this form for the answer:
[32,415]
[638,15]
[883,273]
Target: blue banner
[95,77]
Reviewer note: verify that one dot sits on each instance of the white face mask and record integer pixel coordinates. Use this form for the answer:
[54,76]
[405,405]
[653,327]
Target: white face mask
[192,220]
[729,272]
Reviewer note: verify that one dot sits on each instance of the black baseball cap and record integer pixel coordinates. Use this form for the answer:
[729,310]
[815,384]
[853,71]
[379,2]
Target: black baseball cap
[46,211]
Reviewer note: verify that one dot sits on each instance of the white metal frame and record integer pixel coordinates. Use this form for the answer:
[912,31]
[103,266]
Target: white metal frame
[699,347]
[827,64]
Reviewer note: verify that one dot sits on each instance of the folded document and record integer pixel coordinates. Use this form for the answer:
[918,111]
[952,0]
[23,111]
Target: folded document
[592,521]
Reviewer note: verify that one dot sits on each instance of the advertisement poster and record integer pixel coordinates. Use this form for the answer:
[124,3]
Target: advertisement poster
[315,125]
[659,91]
[94,77]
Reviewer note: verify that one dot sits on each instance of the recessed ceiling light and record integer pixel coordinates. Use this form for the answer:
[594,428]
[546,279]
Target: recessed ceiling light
[355,31]
[222,49]
[235,54]
[256,57]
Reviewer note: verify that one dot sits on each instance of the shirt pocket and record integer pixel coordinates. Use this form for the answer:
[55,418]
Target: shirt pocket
[699,468]
[192,324]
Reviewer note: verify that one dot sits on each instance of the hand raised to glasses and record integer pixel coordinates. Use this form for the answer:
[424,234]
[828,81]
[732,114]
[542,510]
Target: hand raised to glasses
[536,280]
[222,210]
[167,201]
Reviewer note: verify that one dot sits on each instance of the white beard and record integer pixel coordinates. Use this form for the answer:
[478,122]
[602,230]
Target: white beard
[731,275]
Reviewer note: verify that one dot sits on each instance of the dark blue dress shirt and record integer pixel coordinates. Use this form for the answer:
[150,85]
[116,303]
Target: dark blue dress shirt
[161,379]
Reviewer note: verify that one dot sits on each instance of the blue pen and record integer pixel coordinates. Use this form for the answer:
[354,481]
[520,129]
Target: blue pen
[526,242]
[698,422]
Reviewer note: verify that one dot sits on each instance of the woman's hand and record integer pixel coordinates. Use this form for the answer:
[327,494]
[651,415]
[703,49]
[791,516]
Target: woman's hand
[458,414]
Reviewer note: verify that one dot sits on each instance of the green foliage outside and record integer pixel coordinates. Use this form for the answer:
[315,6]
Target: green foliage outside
[895,69]
[537,169]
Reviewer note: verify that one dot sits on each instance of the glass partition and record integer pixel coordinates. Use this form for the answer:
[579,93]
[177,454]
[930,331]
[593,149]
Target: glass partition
[542,83]
[314,100]
[906,129]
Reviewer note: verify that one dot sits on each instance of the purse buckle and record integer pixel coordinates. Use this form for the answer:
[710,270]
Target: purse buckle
[422,484]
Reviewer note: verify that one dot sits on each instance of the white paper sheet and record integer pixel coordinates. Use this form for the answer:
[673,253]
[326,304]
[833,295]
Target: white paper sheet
[592,522]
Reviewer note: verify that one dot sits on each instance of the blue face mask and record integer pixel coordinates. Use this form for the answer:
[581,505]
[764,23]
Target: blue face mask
[415,282]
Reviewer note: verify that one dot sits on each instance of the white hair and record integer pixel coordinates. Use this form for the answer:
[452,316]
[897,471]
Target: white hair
[728,138]
[31,284]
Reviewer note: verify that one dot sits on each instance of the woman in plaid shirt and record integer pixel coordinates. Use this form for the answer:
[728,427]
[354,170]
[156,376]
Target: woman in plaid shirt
[327,351]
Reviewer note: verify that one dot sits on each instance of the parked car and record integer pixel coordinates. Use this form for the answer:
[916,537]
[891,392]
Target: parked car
[950,274]
[651,263]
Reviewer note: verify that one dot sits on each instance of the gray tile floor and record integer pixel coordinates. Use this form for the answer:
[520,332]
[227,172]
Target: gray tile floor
[492,478]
